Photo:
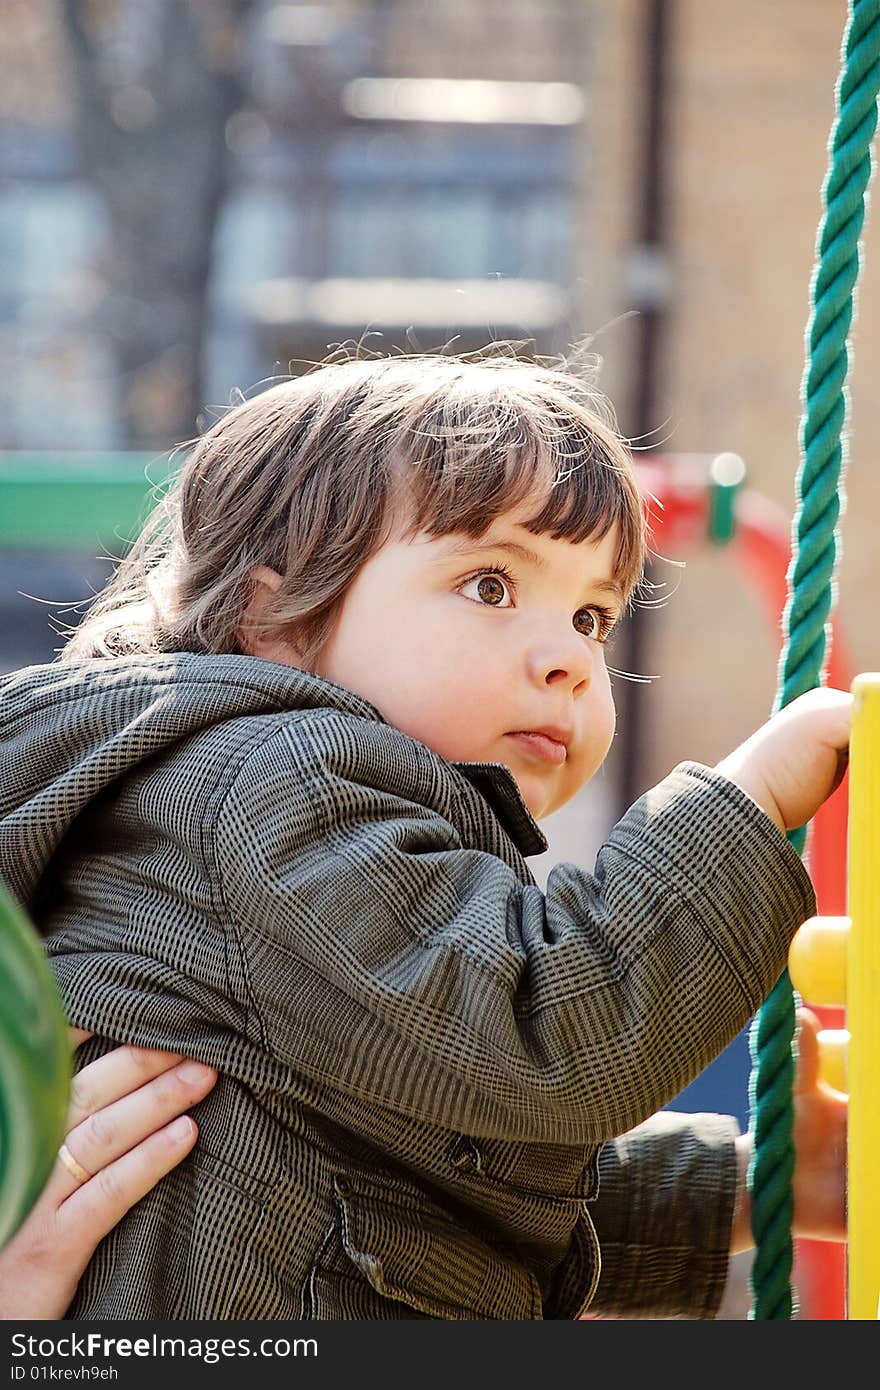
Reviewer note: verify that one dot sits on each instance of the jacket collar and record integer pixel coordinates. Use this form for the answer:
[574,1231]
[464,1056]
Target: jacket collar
[497,785]
[494,781]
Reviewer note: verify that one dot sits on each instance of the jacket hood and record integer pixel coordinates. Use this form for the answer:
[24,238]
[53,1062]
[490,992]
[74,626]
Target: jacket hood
[68,731]
[61,747]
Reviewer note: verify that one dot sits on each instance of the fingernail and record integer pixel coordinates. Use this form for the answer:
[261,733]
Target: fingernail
[194,1071]
[181,1130]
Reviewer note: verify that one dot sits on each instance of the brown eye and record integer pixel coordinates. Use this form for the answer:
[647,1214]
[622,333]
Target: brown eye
[491,590]
[587,622]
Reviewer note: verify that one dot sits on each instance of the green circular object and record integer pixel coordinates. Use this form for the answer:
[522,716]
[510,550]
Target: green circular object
[34,1067]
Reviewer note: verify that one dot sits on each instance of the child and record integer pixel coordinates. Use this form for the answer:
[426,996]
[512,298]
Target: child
[271,810]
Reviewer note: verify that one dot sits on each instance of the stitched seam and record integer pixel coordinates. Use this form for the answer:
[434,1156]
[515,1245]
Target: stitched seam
[209,849]
[309,1297]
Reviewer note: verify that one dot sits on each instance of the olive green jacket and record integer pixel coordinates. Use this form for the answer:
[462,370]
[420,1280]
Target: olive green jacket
[429,1068]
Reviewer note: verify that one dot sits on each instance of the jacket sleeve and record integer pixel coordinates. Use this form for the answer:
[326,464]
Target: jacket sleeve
[384,957]
[663,1217]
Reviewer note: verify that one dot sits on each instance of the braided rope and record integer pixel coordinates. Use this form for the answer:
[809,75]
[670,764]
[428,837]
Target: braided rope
[811,591]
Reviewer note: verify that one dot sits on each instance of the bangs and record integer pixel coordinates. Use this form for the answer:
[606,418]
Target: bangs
[313,476]
[571,477]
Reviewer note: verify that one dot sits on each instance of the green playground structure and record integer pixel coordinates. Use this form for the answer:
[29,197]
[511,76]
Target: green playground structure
[71,501]
[50,502]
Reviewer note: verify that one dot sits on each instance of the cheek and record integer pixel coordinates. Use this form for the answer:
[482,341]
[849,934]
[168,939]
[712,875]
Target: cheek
[609,715]
[446,696]
[600,726]
[442,703]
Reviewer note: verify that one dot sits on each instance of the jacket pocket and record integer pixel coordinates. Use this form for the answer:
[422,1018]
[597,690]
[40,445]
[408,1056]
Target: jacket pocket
[406,1249]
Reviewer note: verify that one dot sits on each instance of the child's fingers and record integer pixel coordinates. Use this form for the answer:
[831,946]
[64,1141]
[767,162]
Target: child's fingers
[103,1137]
[96,1206]
[77,1036]
[112,1076]
[807,1078]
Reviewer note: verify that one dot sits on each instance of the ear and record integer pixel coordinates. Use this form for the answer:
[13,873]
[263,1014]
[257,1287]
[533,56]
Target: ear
[269,646]
[265,578]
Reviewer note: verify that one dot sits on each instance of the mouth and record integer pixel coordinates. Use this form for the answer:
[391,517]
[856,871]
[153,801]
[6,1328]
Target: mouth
[546,746]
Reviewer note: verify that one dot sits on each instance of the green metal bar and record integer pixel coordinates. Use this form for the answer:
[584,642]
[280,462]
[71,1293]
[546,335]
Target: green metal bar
[68,501]
[726,477]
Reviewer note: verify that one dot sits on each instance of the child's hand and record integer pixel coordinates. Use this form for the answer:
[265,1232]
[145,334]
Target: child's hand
[796,759]
[819,1186]
[121,1129]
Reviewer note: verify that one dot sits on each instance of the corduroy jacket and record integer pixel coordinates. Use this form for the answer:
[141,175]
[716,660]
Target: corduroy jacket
[431,1071]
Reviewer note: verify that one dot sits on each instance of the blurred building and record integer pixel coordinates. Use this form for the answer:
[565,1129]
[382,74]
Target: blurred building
[749,107]
[386,166]
[393,173]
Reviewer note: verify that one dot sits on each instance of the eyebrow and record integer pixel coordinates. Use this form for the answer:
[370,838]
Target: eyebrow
[466,546]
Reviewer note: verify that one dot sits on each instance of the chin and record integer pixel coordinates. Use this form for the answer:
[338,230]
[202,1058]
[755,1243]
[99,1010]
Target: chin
[545,803]
[539,803]
[540,800]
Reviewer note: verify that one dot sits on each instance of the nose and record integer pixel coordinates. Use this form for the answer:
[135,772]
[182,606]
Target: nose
[562,661]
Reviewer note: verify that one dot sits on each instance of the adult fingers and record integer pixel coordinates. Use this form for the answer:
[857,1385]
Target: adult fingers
[807,1076]
[114,1075]
[101,1083]
[94,1208]
[105,1135]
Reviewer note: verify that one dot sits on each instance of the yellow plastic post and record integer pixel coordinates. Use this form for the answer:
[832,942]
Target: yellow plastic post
[863,1001]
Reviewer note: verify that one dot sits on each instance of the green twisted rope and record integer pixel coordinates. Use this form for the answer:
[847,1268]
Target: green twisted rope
[810,581]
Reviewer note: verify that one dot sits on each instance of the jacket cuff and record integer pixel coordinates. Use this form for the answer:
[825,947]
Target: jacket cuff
[664,1216]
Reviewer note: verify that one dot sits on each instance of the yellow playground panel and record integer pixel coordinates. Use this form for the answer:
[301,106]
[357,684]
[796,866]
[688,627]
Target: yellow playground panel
[836,961]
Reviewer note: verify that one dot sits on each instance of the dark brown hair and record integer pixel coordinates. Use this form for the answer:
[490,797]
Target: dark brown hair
[312,476]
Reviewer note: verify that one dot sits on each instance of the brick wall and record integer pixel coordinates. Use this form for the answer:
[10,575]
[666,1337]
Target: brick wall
[751,109]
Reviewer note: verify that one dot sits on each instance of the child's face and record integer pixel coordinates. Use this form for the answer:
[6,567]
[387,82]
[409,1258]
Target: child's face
[488,651]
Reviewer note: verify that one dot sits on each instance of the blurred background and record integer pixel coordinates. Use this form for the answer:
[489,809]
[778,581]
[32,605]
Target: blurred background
[195,197]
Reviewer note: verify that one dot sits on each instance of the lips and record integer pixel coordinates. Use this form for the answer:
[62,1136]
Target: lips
[548,744]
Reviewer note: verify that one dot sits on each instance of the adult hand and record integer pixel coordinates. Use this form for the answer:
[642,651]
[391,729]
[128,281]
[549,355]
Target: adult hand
[820,1123]
[122,1137]
[819,1183]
